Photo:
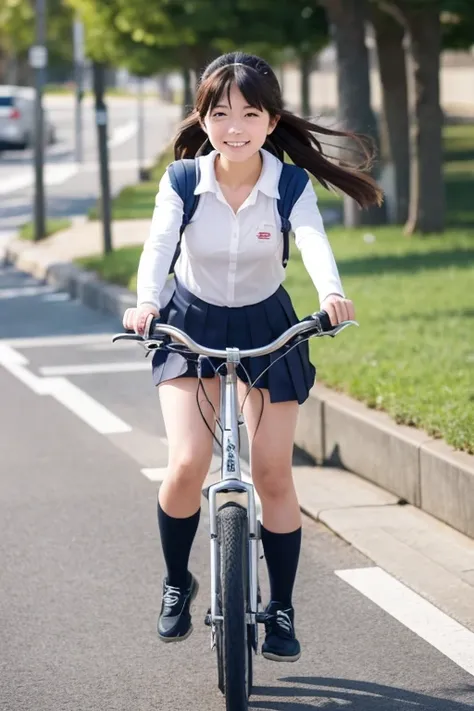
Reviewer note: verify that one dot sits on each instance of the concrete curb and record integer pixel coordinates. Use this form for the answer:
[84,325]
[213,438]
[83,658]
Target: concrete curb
[332,428]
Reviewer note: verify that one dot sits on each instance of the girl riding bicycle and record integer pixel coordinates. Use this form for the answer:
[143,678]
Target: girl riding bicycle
[228,291]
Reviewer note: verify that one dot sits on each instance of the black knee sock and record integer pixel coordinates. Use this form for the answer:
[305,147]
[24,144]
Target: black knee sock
[177,536]
[282,552]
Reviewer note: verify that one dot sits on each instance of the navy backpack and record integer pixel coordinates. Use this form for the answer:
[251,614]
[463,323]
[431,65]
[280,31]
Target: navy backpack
[184,176]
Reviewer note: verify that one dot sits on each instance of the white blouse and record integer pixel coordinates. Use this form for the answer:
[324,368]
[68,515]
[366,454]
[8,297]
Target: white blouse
[227,258]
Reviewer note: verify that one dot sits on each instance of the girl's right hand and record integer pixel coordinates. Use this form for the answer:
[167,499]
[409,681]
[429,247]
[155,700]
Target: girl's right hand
[139,319]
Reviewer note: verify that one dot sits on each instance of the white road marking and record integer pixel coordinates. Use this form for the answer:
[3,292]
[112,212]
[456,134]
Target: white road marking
[157,474]
[58,173]
[109,346]
[68,394]
[122,134]
[15,363]
[54,341]
[55,174]
[20,291]
[16,182]
[91,368]
[420,616]
[85,407]
[60,296]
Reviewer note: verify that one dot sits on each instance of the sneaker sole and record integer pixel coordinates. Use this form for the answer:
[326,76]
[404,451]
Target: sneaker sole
[183,637]
[276,658]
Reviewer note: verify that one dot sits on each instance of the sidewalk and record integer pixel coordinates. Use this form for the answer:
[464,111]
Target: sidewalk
[427,555]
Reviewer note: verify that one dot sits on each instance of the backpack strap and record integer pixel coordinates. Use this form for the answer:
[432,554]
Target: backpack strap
[293,181]
[184,176]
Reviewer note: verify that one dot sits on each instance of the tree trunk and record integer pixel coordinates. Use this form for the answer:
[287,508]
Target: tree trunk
[347,18]
[395,144]
[305,74]
[201,56]
[188,94]
[427,200]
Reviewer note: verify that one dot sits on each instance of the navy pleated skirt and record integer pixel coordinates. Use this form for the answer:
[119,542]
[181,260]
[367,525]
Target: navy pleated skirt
[288,378]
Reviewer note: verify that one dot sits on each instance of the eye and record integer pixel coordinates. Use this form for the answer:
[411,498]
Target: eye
[253,113]
[218,114]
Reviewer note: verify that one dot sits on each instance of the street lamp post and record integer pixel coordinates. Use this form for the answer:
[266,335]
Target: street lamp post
[98,70]
[78,40]
[38,61]
[142,172]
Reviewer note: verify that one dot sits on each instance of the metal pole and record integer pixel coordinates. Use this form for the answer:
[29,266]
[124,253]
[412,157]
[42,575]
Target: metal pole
[141,131]
[78,38]
[38,61]
[98,70]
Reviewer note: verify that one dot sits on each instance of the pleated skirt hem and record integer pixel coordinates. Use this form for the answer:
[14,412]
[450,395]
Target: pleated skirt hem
[289,378]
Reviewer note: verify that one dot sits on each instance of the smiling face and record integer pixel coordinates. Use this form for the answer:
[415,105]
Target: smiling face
[238,107]
[236,129]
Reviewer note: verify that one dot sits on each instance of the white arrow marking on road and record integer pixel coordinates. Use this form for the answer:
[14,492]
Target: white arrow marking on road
[420,616]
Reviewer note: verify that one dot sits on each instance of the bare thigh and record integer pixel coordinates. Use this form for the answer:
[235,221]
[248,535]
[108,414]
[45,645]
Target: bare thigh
[189,439]
[271,436]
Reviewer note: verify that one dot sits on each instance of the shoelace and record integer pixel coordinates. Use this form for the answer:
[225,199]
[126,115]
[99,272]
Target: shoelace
[282,621]
[171,596]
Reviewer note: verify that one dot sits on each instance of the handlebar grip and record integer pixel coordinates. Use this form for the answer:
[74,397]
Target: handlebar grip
[324,320]
[155,321]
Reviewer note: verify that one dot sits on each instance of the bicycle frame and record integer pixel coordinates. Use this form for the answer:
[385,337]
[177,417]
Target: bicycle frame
[231,481]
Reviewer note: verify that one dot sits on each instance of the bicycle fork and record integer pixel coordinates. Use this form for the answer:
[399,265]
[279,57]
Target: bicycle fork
[231,482]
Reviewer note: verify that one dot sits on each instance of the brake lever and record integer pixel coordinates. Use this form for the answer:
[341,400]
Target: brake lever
[127,336]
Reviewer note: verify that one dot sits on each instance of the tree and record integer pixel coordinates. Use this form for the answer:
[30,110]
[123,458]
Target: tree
[299,26]
[394,125]
[348,18]
[457,24]
[17,23]
[421,22]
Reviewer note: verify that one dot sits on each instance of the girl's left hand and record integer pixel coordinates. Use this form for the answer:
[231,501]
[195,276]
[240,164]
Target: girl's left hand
[338,309]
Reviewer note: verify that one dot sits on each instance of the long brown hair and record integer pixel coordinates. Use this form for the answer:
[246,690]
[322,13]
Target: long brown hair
[294,136]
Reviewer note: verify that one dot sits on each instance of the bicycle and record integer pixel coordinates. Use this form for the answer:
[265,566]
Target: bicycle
[235,610]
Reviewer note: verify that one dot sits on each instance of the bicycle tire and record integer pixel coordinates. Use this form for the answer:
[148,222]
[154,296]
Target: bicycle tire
[237,661]
[220,659]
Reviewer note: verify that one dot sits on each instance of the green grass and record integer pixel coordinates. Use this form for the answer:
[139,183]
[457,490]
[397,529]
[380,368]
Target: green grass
[53,225]
[413,355]
[118,267]
[69,90]
[137,201]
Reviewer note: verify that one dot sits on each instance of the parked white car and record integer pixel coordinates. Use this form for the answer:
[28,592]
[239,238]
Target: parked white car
[17,118]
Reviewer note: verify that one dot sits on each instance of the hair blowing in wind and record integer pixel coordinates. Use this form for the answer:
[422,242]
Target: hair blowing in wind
[294,136]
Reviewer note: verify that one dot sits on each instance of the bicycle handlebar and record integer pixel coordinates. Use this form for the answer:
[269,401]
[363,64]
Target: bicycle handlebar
[318,324]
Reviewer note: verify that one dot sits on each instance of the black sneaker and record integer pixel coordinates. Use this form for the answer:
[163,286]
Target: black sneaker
[280,643]
[174,622]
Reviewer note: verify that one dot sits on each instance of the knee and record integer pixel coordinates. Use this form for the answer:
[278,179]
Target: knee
[189,469]
[272,479]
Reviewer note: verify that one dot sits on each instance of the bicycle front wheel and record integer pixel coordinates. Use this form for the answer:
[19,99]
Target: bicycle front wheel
[235,651]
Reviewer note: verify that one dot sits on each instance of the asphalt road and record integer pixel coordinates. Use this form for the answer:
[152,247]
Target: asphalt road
[80,563]
[71,188]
